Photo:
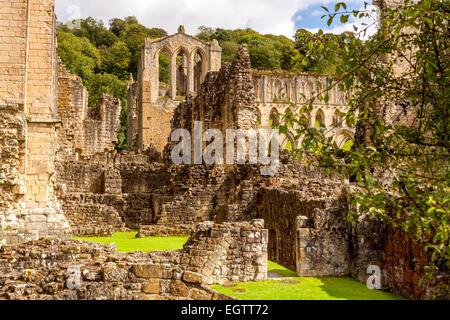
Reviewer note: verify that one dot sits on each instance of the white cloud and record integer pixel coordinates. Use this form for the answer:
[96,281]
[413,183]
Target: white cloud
[264,16]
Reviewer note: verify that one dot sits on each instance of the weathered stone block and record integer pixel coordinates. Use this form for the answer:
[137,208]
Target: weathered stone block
[179,288]
[147,271]
[151,286]
[192,277]
[198,294]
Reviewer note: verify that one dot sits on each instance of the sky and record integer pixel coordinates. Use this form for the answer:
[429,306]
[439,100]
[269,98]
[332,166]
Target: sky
[279,17]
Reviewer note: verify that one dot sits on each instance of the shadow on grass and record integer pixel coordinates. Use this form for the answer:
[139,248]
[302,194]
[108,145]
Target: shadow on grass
[350,289]
[276,268]
[283,272]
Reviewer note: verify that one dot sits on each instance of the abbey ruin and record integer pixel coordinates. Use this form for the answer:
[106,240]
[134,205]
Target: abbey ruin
[60,176]
[151,107]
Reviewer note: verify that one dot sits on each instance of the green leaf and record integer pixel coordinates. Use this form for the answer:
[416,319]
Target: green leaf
[330,20]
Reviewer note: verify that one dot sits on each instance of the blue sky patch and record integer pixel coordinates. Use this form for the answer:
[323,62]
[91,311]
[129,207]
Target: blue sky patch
[309,18]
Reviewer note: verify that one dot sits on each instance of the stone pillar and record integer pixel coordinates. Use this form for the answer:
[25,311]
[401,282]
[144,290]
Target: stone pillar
[190,73]
[265,89]
[215,56]
[173,76]
[301,245]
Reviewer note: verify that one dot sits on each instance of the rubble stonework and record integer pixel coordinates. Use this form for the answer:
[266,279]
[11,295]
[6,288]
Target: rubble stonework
[84,131]
[402,261]
[307,228]
[72,270]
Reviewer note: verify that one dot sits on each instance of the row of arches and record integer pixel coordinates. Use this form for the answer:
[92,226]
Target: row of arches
[340,131]
[319,119]
[180,72]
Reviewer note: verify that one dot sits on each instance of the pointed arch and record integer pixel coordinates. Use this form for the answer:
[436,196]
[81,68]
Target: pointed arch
[337,119]
[181,58]
[342,138]
[274,118]
[319,120]
[258,116]
[199,63]
[164,65]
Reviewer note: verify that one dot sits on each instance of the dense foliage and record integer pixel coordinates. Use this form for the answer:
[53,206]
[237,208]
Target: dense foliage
[398,84]
[267,52]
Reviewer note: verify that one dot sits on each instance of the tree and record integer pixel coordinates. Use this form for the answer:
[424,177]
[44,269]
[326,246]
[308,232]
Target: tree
[229,49]
[264,56]
[134,36]
[78,54]
[106,83]
[95,31]
[117,26]
[117,59]
[266,51]
[398,84]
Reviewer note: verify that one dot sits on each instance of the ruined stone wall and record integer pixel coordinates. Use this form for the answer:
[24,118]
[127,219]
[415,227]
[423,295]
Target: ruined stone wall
[225,101]
[275,91]
[28,138]
[215,254]
[12,149]
[13,51]
[154,107]
[402,261]
[84,131]
[305,225]
[310,234]
[90,193]
[405,264]
[13,125]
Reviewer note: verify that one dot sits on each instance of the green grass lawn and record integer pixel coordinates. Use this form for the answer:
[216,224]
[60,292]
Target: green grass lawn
[274,267]
[304,288]
[127,242]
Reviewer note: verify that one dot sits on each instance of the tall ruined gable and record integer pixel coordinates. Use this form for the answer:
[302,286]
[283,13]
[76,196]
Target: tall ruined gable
[226,100]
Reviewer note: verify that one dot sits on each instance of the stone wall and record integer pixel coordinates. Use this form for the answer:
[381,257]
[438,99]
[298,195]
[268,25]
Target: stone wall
[402,261]
[307,230]
[276,91]
[12,149]
[90,193]
[84,131]
[152,108]
[28,87]
[72,270]
[405,264]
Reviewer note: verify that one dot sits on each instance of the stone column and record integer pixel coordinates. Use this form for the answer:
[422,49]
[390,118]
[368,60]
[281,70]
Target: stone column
[173,76]
[190,73]
[265,85]
[215,56]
